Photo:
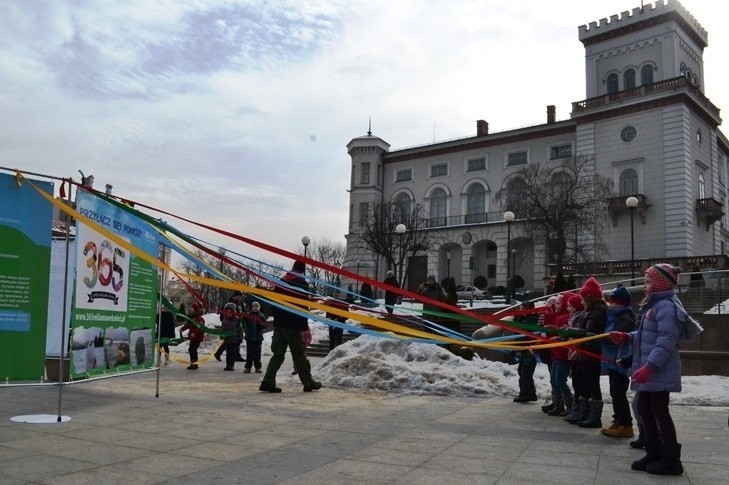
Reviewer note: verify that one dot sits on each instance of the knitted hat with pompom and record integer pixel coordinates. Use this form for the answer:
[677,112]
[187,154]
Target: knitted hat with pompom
[591,288]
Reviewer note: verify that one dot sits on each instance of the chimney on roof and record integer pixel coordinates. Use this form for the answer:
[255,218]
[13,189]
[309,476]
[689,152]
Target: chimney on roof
[551,114]
[108,189]
[482,128]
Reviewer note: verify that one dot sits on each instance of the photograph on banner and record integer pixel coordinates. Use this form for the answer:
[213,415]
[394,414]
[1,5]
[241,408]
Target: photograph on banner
[25,253]
[115,292]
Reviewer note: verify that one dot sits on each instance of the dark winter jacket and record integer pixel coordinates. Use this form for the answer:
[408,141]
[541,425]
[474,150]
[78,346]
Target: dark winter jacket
[230,323]
[434,292]
[167,324]
[618,320]
[255,326]
[391,297]
[593,323]
[296,286]
[663,321]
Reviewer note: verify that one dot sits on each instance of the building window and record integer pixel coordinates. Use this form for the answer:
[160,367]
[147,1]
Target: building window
[404,175]
[364,208]
[476,204]
[476,165]
[702,186]
[628,133]
[402,209]
[517,158]
[365,174]
[438,207]
[440,170]
[628,183]
[629,79]
[560,151]
[682,69]
[646,75]
[699,136]
[516,197]
[491,271]
[612,83]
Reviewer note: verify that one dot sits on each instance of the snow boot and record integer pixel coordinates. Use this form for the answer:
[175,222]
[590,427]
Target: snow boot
[640,442]
[568,403]
[652,455]
[548,404]
[594,416]
[558,406]
[579,411]
[670,462]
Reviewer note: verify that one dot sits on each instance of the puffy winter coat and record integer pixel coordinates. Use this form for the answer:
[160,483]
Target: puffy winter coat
[255,326]
[655,344]
[618,320]
[296,287]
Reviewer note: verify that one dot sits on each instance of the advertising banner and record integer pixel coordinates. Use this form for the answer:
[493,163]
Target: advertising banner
[25,249]
[115,292]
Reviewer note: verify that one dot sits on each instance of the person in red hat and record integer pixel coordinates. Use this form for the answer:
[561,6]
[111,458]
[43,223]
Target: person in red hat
[587,357]
[194,333]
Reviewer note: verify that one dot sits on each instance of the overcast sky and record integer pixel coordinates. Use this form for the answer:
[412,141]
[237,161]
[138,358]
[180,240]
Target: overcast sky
[237,113]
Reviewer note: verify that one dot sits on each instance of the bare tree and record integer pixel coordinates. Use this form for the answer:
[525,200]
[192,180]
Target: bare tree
[332,253]
[381,237]
[561,207]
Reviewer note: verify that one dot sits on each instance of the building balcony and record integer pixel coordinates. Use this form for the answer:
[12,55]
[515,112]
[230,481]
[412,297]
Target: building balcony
[617,206]
[709,211]
[668,86]
[623,267]
[464,220]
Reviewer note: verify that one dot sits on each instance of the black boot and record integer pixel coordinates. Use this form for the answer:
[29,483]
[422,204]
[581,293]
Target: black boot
[652,455]
[548,405]
[640,442]
[670,462]
[594,416]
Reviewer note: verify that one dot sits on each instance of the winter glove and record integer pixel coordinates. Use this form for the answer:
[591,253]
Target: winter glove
[641,375]
[619,337]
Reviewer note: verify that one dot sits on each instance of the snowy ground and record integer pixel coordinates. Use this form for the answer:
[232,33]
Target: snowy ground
[393,365]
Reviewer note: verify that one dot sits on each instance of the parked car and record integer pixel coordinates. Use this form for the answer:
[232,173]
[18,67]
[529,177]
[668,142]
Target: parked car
[468,292]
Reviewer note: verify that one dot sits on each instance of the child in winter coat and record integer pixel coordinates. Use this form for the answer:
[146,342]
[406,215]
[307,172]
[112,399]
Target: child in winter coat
[620,318]
[194,333]
[527,361]
[562,400]
[657,366]
[255,326]
[230,324]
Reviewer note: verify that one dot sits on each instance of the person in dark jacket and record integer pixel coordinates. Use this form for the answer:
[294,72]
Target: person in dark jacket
[166,331]
[288,330]
[391,297]
[194,333]
[255,326]
[527,360]
[230,322]
[587,356]
[238,300]
[620,318]
[657,366]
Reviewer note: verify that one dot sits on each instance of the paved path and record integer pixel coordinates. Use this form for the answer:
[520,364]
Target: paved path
[214,427]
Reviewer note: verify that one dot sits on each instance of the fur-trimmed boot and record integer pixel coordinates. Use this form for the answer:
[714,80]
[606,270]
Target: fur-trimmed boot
[579,411]
[652,455]
[594,416]
[670,462]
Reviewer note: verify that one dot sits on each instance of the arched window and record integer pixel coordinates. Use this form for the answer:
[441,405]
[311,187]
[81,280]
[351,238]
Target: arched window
[646,75]
[475,204]
[702,186]
[516,195]
[629,79]
[628,183]
[401,209]
[682,69]
[612,83]
[438,206]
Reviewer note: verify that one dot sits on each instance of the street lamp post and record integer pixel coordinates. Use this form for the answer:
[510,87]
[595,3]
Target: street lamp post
[508,218]
[305,241]
[358,263]
[632,203]
[513,268]
[400,230]
[448,264]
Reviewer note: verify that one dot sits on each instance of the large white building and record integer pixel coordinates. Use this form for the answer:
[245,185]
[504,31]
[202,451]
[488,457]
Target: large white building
[646,123]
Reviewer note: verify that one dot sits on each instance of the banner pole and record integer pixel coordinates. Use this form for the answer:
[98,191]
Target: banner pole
[162,251]
[62,353]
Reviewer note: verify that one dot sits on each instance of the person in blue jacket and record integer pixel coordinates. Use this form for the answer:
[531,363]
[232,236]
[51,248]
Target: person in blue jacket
[620,318]
[255,326]
[657,366]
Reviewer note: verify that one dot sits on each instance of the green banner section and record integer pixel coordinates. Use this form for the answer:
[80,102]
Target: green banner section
[25,253]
